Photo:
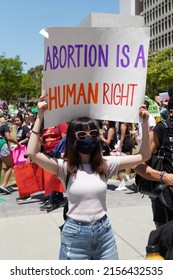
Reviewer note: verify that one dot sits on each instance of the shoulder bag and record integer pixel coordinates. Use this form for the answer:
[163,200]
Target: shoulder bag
[153,188]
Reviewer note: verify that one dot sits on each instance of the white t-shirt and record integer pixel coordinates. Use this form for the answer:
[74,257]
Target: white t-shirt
[87,190]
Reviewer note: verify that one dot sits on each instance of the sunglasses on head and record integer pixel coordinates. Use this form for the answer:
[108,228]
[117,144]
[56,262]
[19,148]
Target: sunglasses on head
[81,135]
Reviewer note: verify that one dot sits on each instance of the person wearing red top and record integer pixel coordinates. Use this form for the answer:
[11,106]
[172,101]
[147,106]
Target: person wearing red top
[51,137]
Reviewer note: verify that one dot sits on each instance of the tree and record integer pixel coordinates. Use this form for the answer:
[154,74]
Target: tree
[27,88]
[159,72]
[36,75]
[30,85]
[10,77]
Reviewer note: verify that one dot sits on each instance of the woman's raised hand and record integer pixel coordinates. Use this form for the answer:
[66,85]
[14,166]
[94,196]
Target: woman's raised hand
[143,114]
[42,104]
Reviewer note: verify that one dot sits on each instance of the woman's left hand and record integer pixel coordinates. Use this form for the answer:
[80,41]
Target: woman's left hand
[144,114]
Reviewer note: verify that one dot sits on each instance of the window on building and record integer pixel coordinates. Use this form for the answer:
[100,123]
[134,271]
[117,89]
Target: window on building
[156,44]
[169,38]
[163,25]
[166,40]
[166,23]
[166,7]
[154,14]
[160,10]
[163,10]
[169,21]
[159,26]
[169,5]
[163,42]
[159,43]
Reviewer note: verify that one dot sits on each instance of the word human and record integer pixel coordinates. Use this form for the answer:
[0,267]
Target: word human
[60,96]
[92,55]
[113,94]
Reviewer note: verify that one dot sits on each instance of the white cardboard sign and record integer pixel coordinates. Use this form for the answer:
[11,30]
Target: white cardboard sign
[95,72]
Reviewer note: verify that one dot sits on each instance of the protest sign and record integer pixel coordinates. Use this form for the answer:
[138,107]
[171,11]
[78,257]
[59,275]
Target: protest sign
[96,72]
[153,107]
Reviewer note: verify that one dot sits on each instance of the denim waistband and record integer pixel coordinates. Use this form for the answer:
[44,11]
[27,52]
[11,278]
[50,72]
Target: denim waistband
[89,223]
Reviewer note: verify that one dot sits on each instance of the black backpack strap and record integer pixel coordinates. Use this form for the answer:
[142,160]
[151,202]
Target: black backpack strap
[67,179]
[166,124]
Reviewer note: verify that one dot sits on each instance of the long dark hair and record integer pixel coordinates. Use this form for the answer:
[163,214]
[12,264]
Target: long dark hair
[71,155]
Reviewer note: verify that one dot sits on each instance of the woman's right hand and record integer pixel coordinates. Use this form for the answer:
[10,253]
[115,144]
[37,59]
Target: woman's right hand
[42,105]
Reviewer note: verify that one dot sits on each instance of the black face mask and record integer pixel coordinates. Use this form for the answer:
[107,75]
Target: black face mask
[86,146]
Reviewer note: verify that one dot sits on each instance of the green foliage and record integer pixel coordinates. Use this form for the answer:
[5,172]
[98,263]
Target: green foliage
[159,72]
[10,77]
[36,75]
[15,84]
[27,87]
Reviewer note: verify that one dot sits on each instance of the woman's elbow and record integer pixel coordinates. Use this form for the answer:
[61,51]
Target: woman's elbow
[146,157]
[30,153]
[30,156]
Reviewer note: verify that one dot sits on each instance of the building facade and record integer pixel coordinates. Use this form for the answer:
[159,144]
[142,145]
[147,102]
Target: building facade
[158,15]
[131,7]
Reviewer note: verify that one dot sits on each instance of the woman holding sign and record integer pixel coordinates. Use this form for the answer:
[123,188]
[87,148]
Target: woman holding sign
[87,233]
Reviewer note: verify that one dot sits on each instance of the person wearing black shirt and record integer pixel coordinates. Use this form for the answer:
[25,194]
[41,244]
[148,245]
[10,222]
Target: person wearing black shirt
[22,131]
[5,154]
[161,213]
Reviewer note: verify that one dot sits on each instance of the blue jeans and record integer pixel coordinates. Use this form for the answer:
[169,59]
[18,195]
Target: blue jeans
[88,241]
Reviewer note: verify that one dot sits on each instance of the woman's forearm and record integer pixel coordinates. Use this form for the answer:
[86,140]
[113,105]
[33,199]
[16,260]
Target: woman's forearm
[147,172]
[145,146]
[32,147]
[10,139]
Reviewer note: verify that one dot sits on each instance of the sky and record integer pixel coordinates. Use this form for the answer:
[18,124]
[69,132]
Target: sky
[21,21]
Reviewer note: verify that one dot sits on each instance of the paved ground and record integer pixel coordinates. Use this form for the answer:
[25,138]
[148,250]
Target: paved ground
[28,233]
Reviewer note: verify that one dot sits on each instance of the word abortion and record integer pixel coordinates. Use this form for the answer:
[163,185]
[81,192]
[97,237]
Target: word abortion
[112,94]
[92,55]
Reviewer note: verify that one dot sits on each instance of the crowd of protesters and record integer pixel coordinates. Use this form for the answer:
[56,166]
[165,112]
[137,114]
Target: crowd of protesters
[16,123]
[17,126]
[20,120]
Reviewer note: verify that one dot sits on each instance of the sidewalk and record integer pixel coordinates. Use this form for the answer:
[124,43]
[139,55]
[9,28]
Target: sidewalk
[28,233]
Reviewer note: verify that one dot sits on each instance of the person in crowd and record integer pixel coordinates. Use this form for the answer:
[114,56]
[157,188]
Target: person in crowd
[163,110]
[26,120]
[126,145]
[51,137]
[7,115]
[32,115]
[170,92]
[160,213]
[108,136]
[22,130]
[87,232]
[5,154]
